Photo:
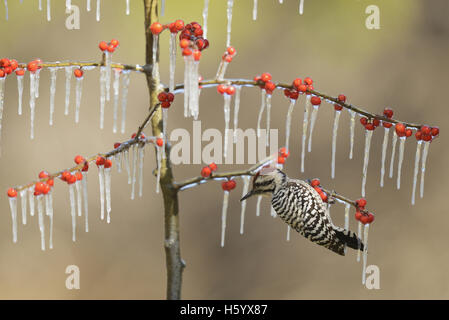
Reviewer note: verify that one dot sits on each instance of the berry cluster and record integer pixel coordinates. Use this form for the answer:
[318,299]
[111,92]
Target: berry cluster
[283,155]
[228,185]
[316,184]
[109,47]
[192,37]
[370,124]
[225,89]
[426,133]
[341,98]
[364,218]
[34,65]
[402,131]
[79,160]
[264,82]
[43,187]
[101,161]
[229,54]
[166,99]
[207,171]
[8,66]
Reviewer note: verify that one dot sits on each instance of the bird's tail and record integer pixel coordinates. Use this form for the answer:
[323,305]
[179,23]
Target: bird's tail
[349,238]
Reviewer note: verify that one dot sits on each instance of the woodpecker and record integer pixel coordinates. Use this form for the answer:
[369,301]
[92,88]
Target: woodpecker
[300,206]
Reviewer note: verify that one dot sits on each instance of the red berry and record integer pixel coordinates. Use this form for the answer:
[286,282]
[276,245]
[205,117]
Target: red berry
[297,82]
[100,161]
[43,174]
[39,187]
[265,77]
[110,48]
[231,51]
[230,90]
[14,64]
[315,182]
[32,66]
[231,184]
[186,52]
[408,133]
[364,120]
[338,107]
[184,43]
[196,55]
[86,166]
[269,87]
[308,81]
[221,88]
[370,127]
[160,142]
[2,73]
[287,93]
[426,137]
[302,88]
[65,175]
[156,28]
[316,101]
[323,196]
[228,59]
[71,179]
[435,131]
[165,104]
[370,217]
[115,43]
[46,189]
[213,166]
[341,97]
[284,152]
[387,124]
[376,122]
[418,135]
[50,182]
[425,130]
[78,73]
[78,175]
[116,145]
[7,70]
[388,113]
[281,160]
[103,45]
[179,24]
[205,172]
[36,193]
[107,163]
[79,159]
[20,72]
[170,97]
[4,62]
[294,95]
[361,203]
[358,215]
[12,193]
[400,129]
[162,96]
[364,219]
[133,135]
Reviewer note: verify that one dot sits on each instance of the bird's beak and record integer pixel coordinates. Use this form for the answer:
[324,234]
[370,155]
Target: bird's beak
[246,196]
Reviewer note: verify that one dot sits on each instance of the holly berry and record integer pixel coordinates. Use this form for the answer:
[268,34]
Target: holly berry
[435,131]
[162,96]
[388,113]
[361,203]
[316,101]
[308,81]
[170,97]
[269,87]
[302,88]
[79,159]
[78,73]
[78,175]
[230,90]
[115,43]
[65,175]
[408,133]
[284,152]
[71,179]
[425,130]
[100,161]
[39,187]
[43,174]
[51,182]
[221,88]
[156,28]
[281,160]
[297,82]
[32,66]
[338,107]
[12,193]
[364,121]
[116,145]
[294,95]
[370,127]
[205,172]
[387,124]
[341,97]
[159,142]
[265,77]
[228,185]
[400,129]
[107,163]
[213,166]
[103,45]
[418,135]
[20,72]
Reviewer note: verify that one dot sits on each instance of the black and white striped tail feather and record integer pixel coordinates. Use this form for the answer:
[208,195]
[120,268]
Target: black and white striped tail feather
[348,238]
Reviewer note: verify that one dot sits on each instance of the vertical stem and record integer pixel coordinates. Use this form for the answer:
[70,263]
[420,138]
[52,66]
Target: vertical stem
[174,263]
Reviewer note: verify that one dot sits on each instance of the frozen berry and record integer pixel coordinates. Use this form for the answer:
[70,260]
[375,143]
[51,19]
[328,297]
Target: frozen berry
[78,73]
[115,43]
[156,28]
[43,174]
[221,88]
[205,172]
[388,113]
[79,159]
[361,203]
[435,131]
[315,182]
[213,166]
[100,161]
[160,142]
[265,77]
[400,129]
[316,101]
[308,81]
[103,45]
[107,163]
[12,193]
[78,175]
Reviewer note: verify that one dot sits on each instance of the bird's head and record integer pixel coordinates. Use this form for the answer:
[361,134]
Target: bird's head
[265,182]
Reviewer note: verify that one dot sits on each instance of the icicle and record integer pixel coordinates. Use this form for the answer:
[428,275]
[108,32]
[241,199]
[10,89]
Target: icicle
[68,4]
[359,235]
[288,122]
[301,7]
[352,133]
[68,76]
[72,210]
[118,161]
[312,126]
[223,217]
[238,90]
[423,166]
[88,5]
[125,85]
[384,154]
[227,117]
[133,181]
[101,183]
[13,207]
[32,101]
[52,92]
[6,9]
[368,136]
[155,70]
[115,86]
[2,99]
[229,16]
[305,123]
[415,172]
[259,200]
[98,10]
[172,53]
[194,89]
[268,103]
[246,180]
[127,7]
[86,201]
[141,158]
[188,61]
[255,10]
[162,8]
[40,5]
[334,141]
[393,152]
[128,170]
[23,198]
[40,211]
[262,108]
[31,200]
[79,91]
[365,252]
[107,184]
[78,197]
[347,208]
[48,10]
[108,63]
[159,160]
[50,215]
[205,14]
[281,1]
[288,233]
[401,158]
[20,89]
[102,94]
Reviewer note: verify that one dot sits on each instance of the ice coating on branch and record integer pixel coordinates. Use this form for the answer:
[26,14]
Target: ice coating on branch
[238,90]
[365,252]
[107,185]
[116,87]
[368,137]
[401,159]
[268,103]
[79,198]
[32,102]
[288,122]
[172,53]
[125,86]
[127,167]
[88,6]
[86,201]
[393,152]
[227,118]
[423,166]
[301,6]
[102,94]
[127,7]
[48,10]
[205,14]
[223,217]
[312,126]
[352,133]
[78,93]
[97,15]
[40,212]
[20,90]
[155,70]
[31,200]
[255,10]
[359,235]
[334,141]
[23,200]
[259,200]
[262,108]
[68,77]
[141,159]
[53,71]
[246,181]
[72,210]
[415,171]
[101,183]
[229,16]
[384,155]
[2,99]
[134,172]
[305,123]
[6,9]
[13,207]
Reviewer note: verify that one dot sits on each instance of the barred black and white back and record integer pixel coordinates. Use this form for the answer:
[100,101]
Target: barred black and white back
[300,206]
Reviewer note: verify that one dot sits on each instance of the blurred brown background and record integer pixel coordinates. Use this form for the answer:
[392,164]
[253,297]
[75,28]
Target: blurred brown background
[403,65]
